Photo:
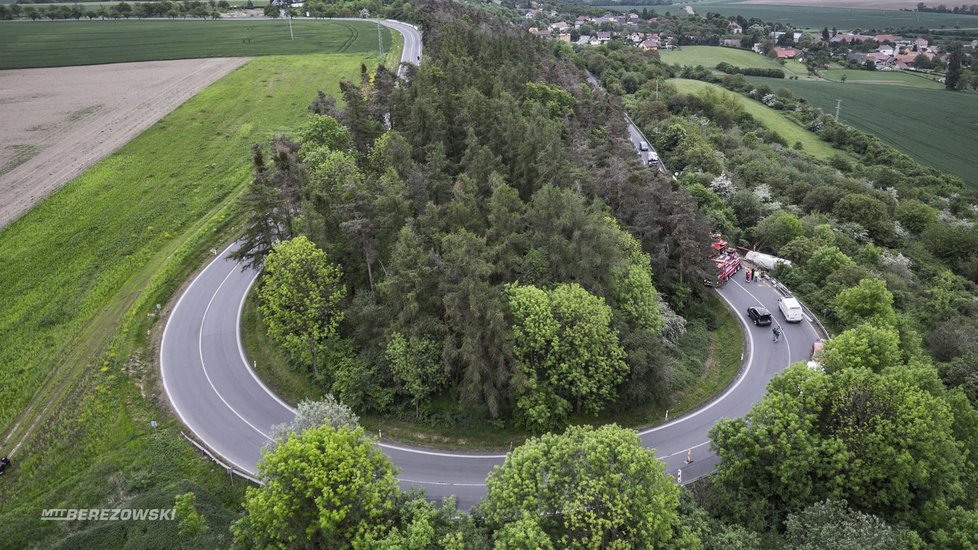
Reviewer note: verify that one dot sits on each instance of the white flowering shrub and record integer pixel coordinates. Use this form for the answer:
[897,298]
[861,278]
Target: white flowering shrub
[675,325]
[763,192]
[723,186]
[895,259]
[312,414]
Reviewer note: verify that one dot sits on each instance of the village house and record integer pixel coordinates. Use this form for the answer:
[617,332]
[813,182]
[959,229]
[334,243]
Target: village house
[786,53]
[731,42]
[559,26]
[650,44]
[584,39]
[735,28]
[850,38]
[603,37]
[882,61]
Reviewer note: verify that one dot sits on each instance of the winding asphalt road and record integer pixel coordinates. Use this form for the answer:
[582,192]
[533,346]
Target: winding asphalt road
[213,389]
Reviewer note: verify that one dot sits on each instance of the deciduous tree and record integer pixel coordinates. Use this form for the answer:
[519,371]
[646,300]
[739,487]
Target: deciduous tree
[586,488]
[324,488]
[300,298]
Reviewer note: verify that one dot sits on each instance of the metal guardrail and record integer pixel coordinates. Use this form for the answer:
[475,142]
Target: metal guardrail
[230,469]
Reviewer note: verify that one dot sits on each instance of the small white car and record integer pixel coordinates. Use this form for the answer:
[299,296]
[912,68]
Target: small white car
[642,146]
[791,310]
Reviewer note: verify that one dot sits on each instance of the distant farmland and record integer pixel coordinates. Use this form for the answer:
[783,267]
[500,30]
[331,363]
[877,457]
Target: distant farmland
[808,17]
[63,43]
[936,127]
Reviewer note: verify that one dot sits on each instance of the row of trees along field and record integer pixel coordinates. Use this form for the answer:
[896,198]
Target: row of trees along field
[458,248]
[477,243]
[886,250]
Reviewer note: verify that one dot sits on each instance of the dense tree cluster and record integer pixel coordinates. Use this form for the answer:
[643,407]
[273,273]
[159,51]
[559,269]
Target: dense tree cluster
[497,238]
[884,249]
[493,230]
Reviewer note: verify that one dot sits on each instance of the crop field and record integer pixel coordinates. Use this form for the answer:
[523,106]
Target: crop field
[767,116]
[934,126]
[884,78]
[710,56]
[809,17]
[81,275]
[64,43]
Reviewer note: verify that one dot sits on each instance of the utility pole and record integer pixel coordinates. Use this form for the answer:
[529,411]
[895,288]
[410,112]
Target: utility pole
[291,35]
[657,89]
[838,107]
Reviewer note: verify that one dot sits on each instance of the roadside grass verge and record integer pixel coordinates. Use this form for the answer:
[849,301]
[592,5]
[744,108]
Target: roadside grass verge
[767,116]
[66,43]
[83,272]
[704,365]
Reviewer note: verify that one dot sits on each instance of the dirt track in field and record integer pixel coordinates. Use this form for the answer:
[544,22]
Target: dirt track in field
[55,123]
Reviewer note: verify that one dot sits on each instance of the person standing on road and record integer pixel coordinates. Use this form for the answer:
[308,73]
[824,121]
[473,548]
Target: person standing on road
[777,333]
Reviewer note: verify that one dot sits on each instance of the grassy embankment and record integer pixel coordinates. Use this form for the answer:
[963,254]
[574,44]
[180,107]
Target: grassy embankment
[82,274]
[767,116]
[64,43]
[936,127]
[705,364]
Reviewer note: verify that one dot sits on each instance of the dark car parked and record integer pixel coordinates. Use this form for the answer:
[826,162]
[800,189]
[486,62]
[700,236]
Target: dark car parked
[759,315]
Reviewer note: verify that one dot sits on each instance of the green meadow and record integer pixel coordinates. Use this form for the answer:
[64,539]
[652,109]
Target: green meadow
[65,43]
[711,56]
[82,274]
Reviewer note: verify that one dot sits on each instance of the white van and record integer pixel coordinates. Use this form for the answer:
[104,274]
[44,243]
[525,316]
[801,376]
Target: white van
[790,309]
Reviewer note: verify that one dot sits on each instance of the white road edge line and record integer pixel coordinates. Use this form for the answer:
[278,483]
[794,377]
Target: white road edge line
[166,329]
[741,378]
[244,358]
[203,364]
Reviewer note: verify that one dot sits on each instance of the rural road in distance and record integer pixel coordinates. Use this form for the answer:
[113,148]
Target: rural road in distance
[220,399]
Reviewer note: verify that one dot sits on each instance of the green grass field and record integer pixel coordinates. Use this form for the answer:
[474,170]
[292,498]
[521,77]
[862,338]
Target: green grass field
[884,78]
[934,126]
[767,116]
[711,56]
[814,18]
[63,43]
[81,275]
